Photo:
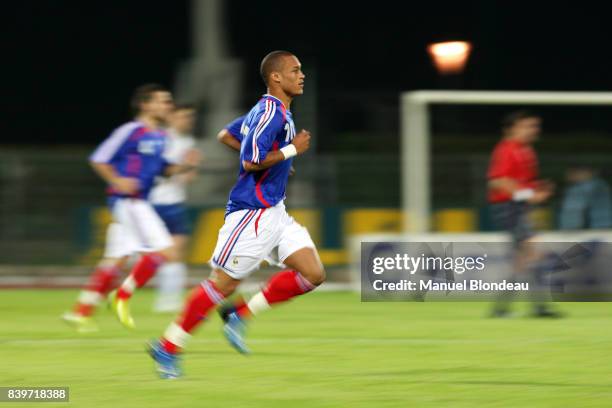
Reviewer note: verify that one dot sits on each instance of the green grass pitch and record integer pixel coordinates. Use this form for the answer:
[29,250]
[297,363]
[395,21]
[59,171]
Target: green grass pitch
[323,350]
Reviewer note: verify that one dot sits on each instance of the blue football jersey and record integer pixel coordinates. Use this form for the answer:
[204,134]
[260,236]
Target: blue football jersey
[267,127]
[234,128]
[134,151]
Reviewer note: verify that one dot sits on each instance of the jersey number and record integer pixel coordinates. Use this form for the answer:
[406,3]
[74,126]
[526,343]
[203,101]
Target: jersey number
[290,129]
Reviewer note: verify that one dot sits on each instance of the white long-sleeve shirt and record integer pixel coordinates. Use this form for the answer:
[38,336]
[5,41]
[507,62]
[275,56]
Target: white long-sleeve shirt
[173,190]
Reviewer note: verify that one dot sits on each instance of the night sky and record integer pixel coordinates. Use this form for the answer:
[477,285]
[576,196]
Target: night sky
[69,67]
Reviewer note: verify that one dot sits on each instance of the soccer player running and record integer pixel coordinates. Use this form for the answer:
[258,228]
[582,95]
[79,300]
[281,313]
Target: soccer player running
[513,190]
[256,221]
[231,137]
[129,160]
[168,199]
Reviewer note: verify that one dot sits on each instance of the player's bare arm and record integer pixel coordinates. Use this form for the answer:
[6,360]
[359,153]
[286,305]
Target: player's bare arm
[124,185]
[505,184]
[230,141]
[227,139]
[176,169]
[189,176]
[512,187]
[301,143]
[190,164]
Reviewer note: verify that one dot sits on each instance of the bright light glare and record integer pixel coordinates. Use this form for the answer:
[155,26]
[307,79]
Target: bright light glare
[450,57]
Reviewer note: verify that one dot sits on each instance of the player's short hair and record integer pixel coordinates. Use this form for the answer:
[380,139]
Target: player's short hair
[511,118]
[143,94]
[184,106]
[272,62]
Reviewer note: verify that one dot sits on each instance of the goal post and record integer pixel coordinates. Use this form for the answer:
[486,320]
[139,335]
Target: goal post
[416,135]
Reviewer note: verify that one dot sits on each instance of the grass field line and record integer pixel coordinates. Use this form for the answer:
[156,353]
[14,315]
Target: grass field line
[83,340]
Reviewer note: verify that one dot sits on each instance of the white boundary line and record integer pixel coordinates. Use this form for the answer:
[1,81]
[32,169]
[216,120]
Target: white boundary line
[85,341]
[69,282]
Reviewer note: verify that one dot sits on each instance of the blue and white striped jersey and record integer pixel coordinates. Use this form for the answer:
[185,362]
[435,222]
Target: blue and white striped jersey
[267,127]
[134,151]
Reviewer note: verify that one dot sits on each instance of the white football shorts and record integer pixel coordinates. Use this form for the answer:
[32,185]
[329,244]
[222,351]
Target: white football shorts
[136,227]
[251,236]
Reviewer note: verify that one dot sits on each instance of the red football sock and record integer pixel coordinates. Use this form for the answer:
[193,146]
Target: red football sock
[144,270]
[103,279]
[169,347]
[84,309]
[242,309]
[285,285]
[281,287]
[100,283]
[202,299]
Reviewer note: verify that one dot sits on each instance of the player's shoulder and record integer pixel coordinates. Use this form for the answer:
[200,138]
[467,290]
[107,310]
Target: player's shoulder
[176,138]
[236,122]
[188,142]
[266,114]
[129,127]
[125,130]
[270,109]
[235,125]
[504,145]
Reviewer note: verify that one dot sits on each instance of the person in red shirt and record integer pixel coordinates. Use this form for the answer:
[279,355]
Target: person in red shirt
[513,188]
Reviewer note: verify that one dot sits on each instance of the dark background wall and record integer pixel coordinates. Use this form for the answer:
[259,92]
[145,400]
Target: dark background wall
[69,66]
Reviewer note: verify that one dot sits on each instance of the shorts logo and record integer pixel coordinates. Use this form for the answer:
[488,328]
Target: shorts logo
[235,234]
[235,261]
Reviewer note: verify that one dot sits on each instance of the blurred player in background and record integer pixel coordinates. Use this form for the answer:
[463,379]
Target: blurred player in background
[586,201]
[101,282]
[168,198]
[513,189]
[129,160]
[256,221]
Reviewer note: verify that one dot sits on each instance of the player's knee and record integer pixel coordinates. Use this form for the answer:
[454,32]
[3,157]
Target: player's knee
[321,276]
[179,255]
[224,283]
[112,262]
[170,254]
[315,274]
[180,248]
[226,290]
[223,286]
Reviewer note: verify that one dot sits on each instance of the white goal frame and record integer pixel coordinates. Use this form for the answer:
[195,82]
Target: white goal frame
[415,137]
